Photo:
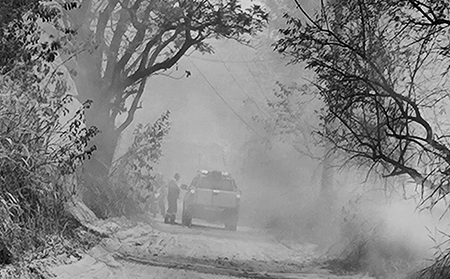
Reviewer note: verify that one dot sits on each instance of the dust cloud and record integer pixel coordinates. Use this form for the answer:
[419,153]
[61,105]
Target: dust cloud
[368,225]
[365,223]
[360,221]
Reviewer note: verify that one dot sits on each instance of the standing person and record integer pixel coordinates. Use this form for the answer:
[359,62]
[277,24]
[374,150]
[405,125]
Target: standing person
[172,199]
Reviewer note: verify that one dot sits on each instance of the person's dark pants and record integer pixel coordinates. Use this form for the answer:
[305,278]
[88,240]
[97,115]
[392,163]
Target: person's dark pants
[171,211]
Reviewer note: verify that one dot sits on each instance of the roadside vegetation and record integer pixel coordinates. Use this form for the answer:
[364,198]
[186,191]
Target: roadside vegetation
[112,66]
[380,87]
[132,179]
[59,105]
[381,75]
[42,142]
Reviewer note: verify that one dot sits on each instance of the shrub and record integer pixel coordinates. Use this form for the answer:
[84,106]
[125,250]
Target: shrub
[128,186]
[375,244]
[440,267]
[37,152]
[41,142]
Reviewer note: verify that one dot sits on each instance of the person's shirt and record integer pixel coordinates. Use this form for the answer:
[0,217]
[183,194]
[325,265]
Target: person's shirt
[174,189]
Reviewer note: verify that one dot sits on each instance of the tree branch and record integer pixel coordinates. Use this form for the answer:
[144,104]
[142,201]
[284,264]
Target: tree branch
[166,64]
[134,106]
[113,52]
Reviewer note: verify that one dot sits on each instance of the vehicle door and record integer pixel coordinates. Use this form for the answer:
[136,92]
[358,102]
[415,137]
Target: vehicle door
[204,192]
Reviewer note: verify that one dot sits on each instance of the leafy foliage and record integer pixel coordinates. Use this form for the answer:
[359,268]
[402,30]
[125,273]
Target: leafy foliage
[132,173]
[120,44]
[36,152]
[145,150]
[41,141]
[292,120]
[22,25]
[382,71]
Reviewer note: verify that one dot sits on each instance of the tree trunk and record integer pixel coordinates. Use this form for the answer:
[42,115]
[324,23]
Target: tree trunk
[90,86]
[97,189]
[327,183]
[106,140]
[322,215]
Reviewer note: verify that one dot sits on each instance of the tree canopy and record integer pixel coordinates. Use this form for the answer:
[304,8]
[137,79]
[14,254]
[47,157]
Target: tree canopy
[135,39]
[121,43]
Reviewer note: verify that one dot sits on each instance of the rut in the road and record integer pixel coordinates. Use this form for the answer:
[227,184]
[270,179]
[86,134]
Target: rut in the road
[241,255]
[234,272]
[247,255]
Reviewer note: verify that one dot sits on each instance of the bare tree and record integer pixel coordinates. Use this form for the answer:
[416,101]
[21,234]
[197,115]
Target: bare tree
[382,71]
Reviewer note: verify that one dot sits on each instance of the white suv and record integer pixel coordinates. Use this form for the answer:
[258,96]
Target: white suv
[212,196]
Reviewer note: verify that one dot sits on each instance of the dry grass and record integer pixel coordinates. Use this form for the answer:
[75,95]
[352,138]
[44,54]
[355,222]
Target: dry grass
[368,246]
[56,250]
[37,154]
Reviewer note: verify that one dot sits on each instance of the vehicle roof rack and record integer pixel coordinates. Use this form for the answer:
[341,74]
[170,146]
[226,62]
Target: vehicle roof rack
[214,172]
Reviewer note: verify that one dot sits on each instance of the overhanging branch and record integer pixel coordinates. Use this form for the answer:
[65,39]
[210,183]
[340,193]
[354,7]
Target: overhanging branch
[133,107]
[166,64]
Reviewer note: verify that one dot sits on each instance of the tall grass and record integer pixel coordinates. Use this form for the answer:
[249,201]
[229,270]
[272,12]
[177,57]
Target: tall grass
[383,240]
[37,152]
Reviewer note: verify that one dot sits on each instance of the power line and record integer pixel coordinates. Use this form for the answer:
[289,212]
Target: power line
[224,101]
[237,114]
[233,61]
[256,81]
[293,116]
[240,118]
[243,91]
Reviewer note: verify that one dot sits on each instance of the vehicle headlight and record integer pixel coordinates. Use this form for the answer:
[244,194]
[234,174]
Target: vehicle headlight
[238,196]
[192,191]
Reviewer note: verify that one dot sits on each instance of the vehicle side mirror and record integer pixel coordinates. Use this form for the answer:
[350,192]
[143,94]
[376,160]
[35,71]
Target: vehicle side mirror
[183,187]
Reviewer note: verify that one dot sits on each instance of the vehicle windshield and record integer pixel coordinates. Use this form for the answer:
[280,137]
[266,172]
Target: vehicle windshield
[216,183]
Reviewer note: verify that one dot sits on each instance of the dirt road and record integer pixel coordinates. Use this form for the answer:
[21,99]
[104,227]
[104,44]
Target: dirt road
[140,250]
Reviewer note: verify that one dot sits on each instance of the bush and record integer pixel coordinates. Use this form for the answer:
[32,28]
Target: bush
[37,152]
[440,267]
[381,246]
[41,142]
[126,190]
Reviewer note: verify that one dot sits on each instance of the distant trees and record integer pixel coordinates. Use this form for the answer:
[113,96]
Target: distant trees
[289,114]
[382,71]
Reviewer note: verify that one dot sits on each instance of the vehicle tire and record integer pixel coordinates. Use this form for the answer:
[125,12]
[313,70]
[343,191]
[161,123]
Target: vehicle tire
[166,219]
[231,222]
[186,218]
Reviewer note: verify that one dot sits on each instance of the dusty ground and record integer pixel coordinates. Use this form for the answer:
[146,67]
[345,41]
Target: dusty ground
[140,250]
